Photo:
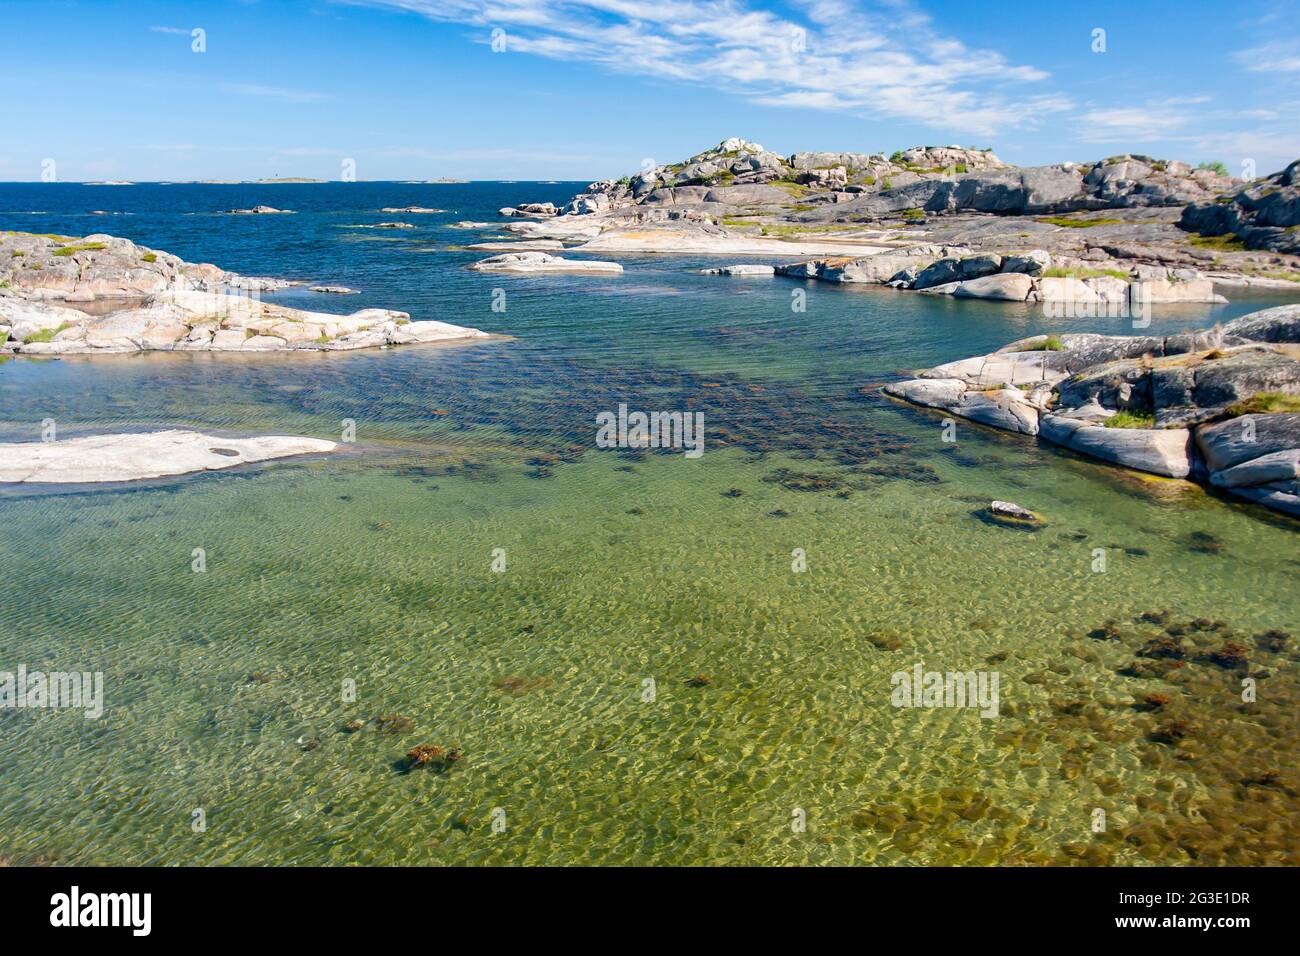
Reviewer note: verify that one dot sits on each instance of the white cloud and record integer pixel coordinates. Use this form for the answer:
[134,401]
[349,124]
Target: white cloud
[1130,123]
[1279,57]
[180,31]
[869,57]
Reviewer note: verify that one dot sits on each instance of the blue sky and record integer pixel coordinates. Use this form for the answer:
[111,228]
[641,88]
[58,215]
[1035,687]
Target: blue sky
[414,89]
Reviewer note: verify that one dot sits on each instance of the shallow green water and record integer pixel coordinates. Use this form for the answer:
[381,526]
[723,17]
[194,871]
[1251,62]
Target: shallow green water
[377,566]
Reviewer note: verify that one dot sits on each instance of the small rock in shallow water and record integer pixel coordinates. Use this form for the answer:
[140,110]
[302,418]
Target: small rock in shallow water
[1007,509]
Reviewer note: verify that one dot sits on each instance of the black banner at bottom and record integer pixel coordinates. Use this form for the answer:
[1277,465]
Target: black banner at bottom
[334,905]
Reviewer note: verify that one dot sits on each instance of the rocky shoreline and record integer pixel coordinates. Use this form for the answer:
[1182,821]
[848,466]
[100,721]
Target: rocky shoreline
[100,294]
[1218,406]
[1187,235]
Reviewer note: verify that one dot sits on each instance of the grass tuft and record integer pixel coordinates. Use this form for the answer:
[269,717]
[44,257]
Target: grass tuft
[1078,223]
[1266,403]
[1131,420]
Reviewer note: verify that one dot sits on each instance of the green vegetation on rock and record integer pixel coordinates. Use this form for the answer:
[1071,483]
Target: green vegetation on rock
[83,247]
[1228,242]
[46,335]
[1068,223]
[1059,272]
[1266,403]
[1131,420]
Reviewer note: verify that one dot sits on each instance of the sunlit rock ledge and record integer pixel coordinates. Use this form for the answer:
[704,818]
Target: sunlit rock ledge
[1218,405]
[136,456]
[146,300]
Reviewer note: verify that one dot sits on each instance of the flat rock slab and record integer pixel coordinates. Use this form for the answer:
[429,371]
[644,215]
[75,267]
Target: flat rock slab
[140,455]
[1159,451]
[743,269]
[541,263]
[699,243]
[519,245]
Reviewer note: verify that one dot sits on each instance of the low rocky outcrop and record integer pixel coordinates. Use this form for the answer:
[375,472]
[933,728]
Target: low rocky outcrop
[540,210]
[1264,214]
[140,455]
[105,295]
[534,263]
[1279,324]
[1220,405]
[744,269]
[259,211]
[1016,277]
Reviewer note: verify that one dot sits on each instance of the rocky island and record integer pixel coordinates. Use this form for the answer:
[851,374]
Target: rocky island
[97,295]
[1188,234]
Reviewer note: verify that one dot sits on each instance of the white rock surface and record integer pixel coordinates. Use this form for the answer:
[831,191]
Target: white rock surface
[1162,291]
[1009,509]
[743,269]
[1266,469]
[1006,286]
[541,262]
[518,245]
[700,243]
[135,456]
[934,392]
[1161,451]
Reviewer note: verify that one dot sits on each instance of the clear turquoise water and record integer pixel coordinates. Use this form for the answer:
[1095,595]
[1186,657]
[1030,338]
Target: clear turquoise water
[375,565]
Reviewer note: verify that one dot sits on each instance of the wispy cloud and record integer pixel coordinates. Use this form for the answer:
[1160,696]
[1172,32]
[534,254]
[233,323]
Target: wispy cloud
[256,89]
[180,31]
[1131,124]
[872,57]
[1276,57]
